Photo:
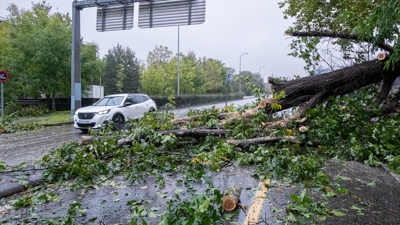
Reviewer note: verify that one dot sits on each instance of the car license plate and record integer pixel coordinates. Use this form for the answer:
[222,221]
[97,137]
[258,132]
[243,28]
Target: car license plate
[84,121]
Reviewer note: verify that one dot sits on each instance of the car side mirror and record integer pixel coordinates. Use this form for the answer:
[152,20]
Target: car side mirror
[127,104]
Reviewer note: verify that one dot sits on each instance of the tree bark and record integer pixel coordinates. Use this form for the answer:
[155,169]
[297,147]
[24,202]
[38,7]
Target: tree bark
[53,103]
[231,197]
[179,133]
[185,119]
[262,140]
[196,133]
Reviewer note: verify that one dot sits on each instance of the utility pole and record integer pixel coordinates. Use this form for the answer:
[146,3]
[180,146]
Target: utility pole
[240,72]
[179,57]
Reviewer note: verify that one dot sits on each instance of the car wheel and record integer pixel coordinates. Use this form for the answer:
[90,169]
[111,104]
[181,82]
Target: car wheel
[118,121]
[151,110]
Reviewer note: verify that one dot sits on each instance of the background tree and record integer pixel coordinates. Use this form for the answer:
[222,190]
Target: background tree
[92,66]
[197,76]
[214,73]
[41,50]
[160,73]
[252,80]
[159,56]
[120,78]
[129,72]
[187,73]
[14,87]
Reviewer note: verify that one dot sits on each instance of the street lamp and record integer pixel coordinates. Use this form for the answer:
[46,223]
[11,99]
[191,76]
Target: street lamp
[240,71]
[259,70]
[264,81]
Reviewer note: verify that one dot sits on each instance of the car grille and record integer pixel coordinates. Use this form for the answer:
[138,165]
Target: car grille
[86,116]
[86,124]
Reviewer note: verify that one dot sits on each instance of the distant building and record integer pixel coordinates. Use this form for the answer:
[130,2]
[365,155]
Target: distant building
[94,91]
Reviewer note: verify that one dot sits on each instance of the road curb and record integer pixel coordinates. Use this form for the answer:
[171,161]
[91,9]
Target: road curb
[58,124]
[395,176]
[9,185]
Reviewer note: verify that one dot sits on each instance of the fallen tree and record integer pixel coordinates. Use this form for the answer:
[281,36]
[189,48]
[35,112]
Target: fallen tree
[307,92]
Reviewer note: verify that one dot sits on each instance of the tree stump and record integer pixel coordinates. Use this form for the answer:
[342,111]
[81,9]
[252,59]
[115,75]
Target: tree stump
[231,197]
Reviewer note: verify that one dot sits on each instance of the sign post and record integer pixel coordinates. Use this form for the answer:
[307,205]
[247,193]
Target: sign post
[3,78]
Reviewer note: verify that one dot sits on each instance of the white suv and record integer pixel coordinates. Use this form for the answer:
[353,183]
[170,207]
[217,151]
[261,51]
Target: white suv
[118,108]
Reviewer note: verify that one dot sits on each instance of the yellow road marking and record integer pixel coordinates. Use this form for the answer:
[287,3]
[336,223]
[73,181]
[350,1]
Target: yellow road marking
[256,206]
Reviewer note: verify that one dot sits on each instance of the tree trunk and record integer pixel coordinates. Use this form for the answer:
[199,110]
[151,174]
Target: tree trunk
[340,82]
[231,197]
[196,133]
[53,103]
[261,140]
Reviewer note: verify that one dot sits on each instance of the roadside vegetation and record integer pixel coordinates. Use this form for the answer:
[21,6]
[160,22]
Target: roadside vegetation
[24,118]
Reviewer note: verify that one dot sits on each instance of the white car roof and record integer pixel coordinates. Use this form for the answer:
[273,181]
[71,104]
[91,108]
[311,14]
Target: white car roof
[114,95]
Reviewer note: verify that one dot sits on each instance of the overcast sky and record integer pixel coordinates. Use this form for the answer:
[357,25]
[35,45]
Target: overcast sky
[232,27]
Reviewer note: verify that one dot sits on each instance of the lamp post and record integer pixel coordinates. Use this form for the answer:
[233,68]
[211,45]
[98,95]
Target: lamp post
[259,70]
[240,71]
[264,81]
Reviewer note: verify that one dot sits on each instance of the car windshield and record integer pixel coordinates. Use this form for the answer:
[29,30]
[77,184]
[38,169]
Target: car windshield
[110,101]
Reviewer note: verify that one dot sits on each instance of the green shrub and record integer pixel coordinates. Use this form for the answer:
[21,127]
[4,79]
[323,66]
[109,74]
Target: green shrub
[17,110]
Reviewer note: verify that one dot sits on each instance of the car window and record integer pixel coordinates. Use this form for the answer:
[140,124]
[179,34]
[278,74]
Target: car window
[110,101]
[139,99]
[130,99]
[146,97]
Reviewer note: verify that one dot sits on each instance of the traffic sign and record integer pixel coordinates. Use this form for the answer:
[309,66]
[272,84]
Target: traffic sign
[3,76]
[169,13]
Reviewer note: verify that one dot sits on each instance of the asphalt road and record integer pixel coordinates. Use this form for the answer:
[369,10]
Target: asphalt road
[31,146]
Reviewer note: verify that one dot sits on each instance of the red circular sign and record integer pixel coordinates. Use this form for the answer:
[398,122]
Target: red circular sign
[3,76]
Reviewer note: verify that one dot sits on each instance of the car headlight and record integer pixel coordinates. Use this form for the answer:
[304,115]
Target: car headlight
[103,112]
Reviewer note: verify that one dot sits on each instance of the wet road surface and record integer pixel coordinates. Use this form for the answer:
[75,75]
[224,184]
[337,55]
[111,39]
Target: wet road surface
[31,146]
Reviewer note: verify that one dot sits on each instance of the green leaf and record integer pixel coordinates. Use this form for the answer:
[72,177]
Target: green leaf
[291,218]
[337,213]
[203,207]
[355,208]
[338,177]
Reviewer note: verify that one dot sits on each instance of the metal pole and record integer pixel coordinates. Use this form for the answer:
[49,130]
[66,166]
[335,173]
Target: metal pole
[76,86]
[226,96]
[101,88]
[2,100]
[259,72]
[264,81]
[178,61]
[240,71]
[227,82]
